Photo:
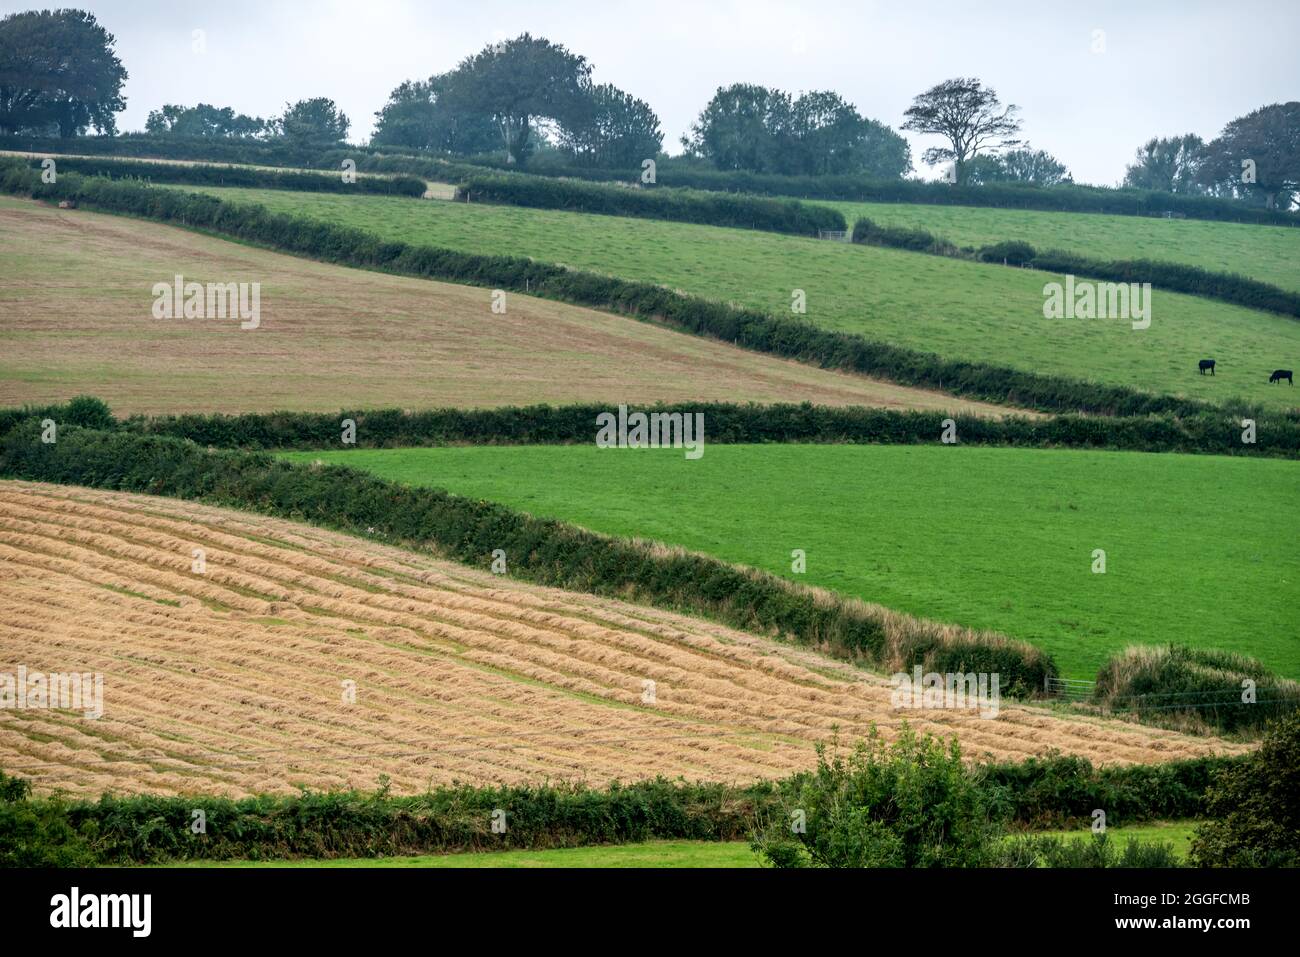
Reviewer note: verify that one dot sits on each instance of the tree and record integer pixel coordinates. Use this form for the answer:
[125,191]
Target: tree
[1169,165]
[739,128]
[1257,156]
[968,115]
[1018,166]
[612,129]
[747,127]
[518,83]
[58,71]
[316,121]
[1253,808]
[417,116]
[203,120]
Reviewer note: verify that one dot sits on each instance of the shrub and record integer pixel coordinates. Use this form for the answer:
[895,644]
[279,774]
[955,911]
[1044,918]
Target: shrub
[899,237]
[1255,806]
[1177,683]
[1011,252]
[909,804]
[38,833]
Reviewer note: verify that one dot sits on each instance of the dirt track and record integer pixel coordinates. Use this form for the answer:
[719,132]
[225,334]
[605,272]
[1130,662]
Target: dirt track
[230,681]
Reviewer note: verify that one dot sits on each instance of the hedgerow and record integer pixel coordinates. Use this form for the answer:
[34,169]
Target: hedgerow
[750,329]
[245,176]
[679,205]
[849,188]
[50,832]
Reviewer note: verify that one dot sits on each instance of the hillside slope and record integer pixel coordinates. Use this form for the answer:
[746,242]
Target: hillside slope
[958,309]
[75,317]
[234,680]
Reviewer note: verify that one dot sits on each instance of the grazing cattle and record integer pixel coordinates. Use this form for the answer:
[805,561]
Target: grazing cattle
[1281,374]
[1207,364]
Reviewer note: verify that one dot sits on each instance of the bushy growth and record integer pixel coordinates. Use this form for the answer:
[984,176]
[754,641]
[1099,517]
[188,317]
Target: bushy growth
[1177,683]
[679,205]
[1254,806]
[913,803]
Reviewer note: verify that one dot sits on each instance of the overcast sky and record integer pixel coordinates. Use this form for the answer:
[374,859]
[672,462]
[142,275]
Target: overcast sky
[1164,66]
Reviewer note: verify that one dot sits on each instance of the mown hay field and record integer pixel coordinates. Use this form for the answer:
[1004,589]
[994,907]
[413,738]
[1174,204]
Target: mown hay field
[75,317]
[957,309]
[231,681]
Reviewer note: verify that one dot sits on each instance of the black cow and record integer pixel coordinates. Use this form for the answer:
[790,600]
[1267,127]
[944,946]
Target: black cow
[1281,374]
[1207,364]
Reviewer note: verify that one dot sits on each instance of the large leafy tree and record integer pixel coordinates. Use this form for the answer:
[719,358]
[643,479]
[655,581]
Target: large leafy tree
[58,72]
[1018,166]
[1267,141]
[1170,165]
[203,120]
[969,116]
[317,121]
[612,129]
[520,83]
[748,127]
[418,116]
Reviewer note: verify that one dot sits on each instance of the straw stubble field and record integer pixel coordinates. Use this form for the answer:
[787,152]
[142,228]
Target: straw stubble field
[231,681]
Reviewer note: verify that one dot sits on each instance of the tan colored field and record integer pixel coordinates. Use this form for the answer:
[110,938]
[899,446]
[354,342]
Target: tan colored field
[230,681]
[75,317]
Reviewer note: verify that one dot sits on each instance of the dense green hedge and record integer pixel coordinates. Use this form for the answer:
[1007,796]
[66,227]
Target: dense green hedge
[545,551]
[726,423]
[1051,792]
[679,205]
[1063,790]
[784,336]
[670,173]
[199,175]
[850,188]
[1176,277]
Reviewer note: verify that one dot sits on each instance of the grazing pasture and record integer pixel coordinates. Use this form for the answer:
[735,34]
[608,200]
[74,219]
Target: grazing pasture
[1268,253]
[75,289]
[1199,550]
[957,309]
[235,679]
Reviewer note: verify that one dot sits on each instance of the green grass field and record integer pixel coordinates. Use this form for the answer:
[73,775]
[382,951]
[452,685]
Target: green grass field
[1267,253]
[1199,549]
[954,308]
[650,854]
[656,853]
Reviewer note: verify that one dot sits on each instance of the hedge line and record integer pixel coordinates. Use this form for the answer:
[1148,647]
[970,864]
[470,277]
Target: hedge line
[1050,792]
[239,176]
[784,336]
[725,423]
[679,205]
[849,188]
[545,551]
[1073,198]
[1176,277]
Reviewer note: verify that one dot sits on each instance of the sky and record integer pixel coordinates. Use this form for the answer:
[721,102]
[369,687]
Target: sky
[1094,79]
